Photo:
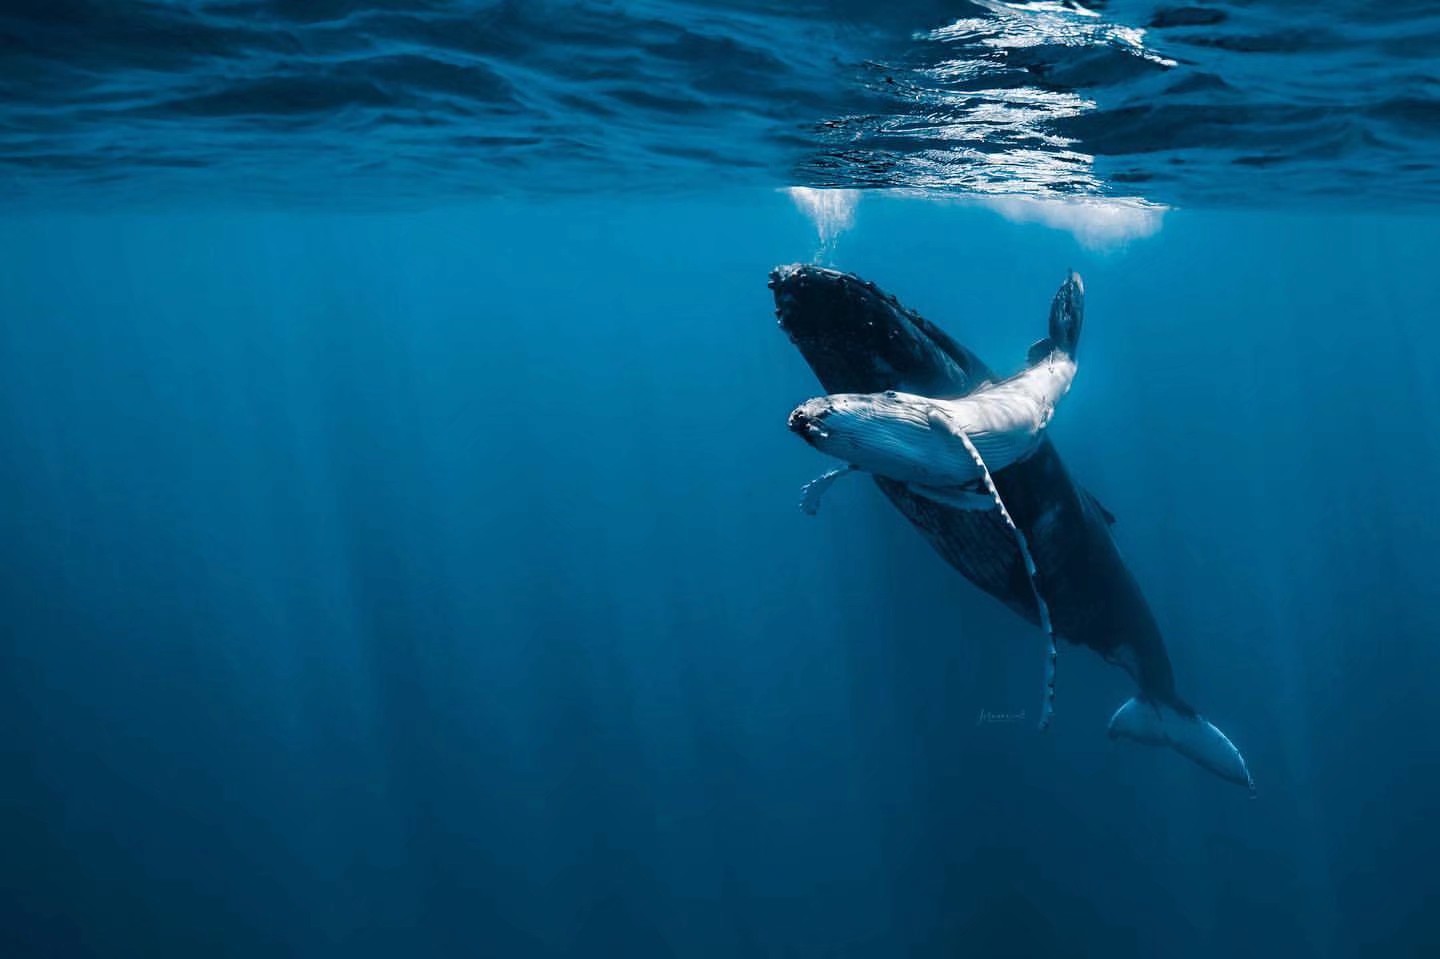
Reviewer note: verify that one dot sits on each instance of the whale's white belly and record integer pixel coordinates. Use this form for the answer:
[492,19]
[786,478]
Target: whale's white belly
[1006,421]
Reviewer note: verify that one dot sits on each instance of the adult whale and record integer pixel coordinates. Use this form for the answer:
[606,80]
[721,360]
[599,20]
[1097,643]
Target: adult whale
[858,339]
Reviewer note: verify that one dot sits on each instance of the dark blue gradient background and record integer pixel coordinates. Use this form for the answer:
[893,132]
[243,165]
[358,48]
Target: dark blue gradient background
[432,584]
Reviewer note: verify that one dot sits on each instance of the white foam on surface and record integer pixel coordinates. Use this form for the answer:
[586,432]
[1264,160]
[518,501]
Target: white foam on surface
[1097,222]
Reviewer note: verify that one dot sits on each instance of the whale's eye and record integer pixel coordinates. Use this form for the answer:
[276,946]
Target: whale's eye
[891,394]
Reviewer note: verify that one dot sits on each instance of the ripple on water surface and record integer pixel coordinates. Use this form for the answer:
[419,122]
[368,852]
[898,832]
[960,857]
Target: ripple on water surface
[1236,103]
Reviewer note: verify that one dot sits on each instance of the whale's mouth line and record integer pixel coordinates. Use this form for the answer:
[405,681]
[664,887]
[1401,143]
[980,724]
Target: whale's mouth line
[806,427]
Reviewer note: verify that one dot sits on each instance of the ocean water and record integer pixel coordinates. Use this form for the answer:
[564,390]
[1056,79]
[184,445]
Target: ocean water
[400,554]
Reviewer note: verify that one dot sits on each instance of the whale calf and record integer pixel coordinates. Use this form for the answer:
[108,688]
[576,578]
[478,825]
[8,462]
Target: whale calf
[941,447]
[1063,571]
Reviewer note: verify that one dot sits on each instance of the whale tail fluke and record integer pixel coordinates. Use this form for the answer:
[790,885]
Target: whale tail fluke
[1192,736]
[1067,315]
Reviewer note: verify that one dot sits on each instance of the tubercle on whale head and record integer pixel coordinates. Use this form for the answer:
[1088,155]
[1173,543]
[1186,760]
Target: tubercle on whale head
[807,420]
[856,337]
[802,291]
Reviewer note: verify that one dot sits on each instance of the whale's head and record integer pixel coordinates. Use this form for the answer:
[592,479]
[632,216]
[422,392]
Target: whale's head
[887,433]
[859,339]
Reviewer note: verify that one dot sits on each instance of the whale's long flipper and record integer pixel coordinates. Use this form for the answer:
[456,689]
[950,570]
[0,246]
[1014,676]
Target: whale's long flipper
[1047,706]
[812,492]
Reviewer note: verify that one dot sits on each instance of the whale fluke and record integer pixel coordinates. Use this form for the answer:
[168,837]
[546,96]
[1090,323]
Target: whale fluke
[1067,316]
[1158,724]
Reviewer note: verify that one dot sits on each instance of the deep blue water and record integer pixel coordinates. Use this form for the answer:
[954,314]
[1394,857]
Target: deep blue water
[400,555]
[433,584]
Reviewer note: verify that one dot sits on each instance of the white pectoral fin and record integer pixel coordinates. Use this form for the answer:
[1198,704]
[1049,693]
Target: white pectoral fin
[1042,609]
[956,496]
[812,492]
[1157,724]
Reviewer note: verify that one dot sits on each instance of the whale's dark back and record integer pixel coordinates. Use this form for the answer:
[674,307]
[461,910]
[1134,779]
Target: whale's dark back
[859,339]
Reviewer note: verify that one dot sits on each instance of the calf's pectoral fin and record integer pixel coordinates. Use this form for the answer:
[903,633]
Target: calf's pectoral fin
[943,424]
[1047,704]
[812,492]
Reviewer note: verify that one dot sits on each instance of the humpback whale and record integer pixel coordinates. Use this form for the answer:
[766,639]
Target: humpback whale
[942,447]
[1045,550]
